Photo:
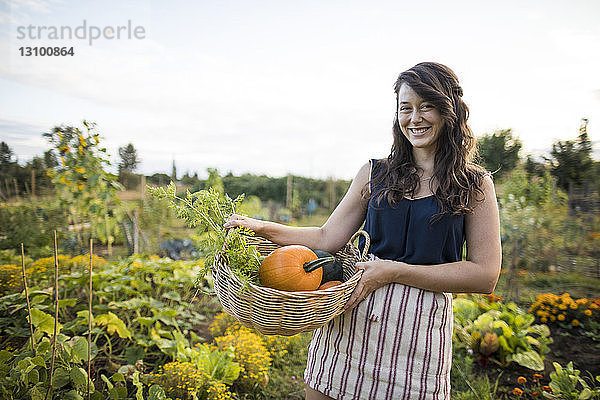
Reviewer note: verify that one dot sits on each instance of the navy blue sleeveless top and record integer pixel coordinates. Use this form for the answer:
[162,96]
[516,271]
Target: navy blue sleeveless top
[405,231]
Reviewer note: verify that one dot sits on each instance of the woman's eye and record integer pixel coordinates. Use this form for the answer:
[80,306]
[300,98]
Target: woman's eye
[426,106]
[404,108]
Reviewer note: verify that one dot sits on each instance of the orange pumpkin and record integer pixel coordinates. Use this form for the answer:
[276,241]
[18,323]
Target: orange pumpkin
[292,268]
[329,284]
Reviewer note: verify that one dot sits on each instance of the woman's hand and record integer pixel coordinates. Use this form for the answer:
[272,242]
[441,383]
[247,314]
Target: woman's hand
[376,273]
[255,225]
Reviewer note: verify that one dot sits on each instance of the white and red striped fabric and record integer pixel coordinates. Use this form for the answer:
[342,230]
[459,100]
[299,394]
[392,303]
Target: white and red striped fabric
[396,344]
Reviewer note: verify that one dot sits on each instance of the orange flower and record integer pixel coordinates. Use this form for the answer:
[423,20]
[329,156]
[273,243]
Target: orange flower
[537,376]
[517,392]
[588,312]
[547,389]
[575,322]
[521,380]
[535,394]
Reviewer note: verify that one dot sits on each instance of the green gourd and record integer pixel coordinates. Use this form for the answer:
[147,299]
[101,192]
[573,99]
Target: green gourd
[332,271]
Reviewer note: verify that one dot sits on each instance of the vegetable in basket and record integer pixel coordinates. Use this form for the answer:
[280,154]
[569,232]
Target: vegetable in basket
[293,268]
[332,271]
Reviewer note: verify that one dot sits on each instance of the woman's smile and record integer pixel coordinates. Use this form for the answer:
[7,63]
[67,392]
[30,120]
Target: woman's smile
[419,131]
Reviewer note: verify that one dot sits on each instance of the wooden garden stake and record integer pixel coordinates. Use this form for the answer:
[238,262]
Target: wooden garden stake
[55,315]
[90,325]
[27,297]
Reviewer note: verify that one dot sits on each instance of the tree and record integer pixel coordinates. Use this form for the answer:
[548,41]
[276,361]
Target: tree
[214,180]
[129,159]
[50,160]
[571,161]
[174,172]
[6,154]
[499,152]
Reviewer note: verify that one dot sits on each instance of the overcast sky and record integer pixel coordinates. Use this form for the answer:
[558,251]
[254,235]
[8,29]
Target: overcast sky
[276,87]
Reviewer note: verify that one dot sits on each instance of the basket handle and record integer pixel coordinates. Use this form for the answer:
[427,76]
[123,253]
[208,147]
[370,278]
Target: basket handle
[365,251]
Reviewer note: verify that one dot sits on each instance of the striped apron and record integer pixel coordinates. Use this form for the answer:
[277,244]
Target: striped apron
[395,344]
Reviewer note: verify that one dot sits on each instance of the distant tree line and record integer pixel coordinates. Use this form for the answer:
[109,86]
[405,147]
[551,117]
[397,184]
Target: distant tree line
[570,162]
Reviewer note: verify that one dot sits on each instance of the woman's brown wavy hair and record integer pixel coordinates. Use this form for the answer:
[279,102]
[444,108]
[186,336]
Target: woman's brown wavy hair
[456,177]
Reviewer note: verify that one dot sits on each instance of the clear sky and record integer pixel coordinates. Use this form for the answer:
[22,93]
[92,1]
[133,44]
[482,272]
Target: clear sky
[276,87]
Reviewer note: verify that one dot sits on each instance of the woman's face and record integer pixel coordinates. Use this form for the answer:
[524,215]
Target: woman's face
[420,121]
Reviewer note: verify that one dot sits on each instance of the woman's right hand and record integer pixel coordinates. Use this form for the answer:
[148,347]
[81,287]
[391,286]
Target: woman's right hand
[255,225]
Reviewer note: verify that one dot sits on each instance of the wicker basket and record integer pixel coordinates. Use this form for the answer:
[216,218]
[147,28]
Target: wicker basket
[277,312]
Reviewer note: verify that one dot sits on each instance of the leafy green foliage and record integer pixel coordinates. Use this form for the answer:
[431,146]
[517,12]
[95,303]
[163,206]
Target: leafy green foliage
[207,211]
[499,151]
[502,333]
[566,384]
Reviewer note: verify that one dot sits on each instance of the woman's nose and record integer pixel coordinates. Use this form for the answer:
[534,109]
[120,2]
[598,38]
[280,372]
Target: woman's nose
[416,116]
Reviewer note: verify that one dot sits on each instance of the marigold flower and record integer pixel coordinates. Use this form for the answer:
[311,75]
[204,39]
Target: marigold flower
[561,317]
[537,376]
[588,312]
[517,392]
[535,394]
[522,380]
[544,319]
[547,389]
[575,322]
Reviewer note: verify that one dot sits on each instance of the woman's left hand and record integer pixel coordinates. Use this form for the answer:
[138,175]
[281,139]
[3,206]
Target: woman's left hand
[376,273]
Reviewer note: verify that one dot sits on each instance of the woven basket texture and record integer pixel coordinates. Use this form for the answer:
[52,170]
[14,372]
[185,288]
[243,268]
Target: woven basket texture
[277,312]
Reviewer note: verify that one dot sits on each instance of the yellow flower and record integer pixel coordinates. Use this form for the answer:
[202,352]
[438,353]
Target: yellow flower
[561,317]
[574,306]
[544,319]
[588,312]
[517,392]
[575,322]
[521,380]
[552,318]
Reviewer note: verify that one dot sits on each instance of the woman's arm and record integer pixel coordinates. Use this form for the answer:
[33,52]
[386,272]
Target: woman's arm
[347,217]
[478,274]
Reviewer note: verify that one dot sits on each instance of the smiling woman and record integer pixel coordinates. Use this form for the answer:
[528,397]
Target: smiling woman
[419,206]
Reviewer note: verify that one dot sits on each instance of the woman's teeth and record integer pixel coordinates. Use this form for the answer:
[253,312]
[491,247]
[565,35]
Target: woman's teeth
[419,131]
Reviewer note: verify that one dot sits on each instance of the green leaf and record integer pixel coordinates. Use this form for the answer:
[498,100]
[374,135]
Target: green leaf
[36,394]
[529,359]
[113,324]
[44,322]
[79,347]
[33,376]
[37,360]
[109,385]
[133,354]
[79,377]
[156,392]
[172,296]
[144,321]
[504,344]
[118,377]
[138,385]
[585,394]
[5,355]
[61,378]
[66,303]
[117,393]
[72,395]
